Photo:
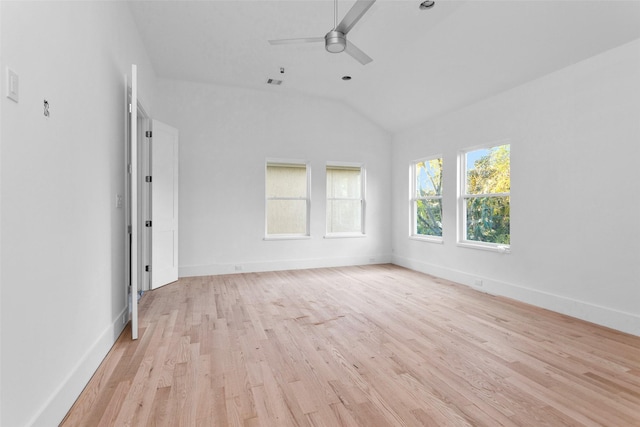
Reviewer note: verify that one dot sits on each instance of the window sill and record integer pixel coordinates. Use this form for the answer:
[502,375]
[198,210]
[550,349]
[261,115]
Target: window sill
[503,249]
[344,235]
[430,239]
[287,237]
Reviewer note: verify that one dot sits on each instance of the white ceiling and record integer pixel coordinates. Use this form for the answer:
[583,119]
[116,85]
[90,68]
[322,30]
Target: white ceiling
[425,62]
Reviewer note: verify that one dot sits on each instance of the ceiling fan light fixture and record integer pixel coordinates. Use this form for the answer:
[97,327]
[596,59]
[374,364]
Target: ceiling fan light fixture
[427,4]
[335,41]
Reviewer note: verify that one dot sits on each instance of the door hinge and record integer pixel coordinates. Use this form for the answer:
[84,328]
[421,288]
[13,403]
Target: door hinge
[147,268]
[129,107]
[147,223]
[148,134]
[147,178]
[129,168]
[129,229]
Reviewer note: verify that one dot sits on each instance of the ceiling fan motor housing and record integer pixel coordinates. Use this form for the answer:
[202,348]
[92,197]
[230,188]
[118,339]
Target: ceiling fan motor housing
[335,41]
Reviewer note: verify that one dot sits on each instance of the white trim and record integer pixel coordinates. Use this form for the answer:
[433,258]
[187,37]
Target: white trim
[289,264]
[134,183]
[57,405]
[286,237]
[347,165]
[279,161]
[485,195]
[487,145]
[344,235]
[604,316]
[426,238]
[2,78]
[485,246]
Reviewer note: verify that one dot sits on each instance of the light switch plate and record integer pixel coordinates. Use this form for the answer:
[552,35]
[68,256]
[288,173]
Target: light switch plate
[13,85]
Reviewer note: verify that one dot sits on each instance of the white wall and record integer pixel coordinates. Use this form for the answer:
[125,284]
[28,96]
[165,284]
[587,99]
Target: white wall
[574,159]
[226,135]
[63,290]
[1,94]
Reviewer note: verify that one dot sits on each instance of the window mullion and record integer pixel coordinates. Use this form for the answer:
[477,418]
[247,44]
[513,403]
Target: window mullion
[478,196]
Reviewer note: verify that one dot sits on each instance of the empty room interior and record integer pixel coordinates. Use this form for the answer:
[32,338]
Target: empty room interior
[298,213]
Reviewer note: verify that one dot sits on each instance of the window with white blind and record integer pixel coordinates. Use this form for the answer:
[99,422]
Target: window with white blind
[287,199]
[345,200]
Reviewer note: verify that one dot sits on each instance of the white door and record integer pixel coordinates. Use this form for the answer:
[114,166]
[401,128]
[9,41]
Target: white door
[164,204]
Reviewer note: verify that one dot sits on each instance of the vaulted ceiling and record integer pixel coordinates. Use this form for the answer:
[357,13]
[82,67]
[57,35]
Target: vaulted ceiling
[425,62]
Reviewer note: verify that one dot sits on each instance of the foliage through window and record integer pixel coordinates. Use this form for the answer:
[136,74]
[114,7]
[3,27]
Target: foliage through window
[287,199]
[345,199]
[426,201]
[485,197]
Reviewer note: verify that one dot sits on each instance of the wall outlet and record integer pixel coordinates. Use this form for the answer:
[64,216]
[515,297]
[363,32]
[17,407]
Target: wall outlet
[478,283]
[238,268]
[372,260]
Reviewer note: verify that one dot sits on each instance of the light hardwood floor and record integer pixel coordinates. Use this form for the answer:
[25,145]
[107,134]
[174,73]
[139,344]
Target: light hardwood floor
[358,346]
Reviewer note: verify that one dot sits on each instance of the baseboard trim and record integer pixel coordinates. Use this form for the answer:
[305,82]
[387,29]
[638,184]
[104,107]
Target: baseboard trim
[590,312]
[57,406]
[299,264]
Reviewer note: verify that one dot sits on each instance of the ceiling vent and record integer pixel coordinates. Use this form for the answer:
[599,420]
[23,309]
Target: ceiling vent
[274,82]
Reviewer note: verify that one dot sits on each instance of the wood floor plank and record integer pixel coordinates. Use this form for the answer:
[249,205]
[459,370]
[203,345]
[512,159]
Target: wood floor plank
[358,346]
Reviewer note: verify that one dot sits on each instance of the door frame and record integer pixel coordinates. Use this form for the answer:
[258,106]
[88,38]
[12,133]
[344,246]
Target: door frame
[134,196]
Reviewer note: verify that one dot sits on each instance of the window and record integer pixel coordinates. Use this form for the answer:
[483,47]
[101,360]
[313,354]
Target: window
[345,199]
[287,199]
[426,199]
[484,202]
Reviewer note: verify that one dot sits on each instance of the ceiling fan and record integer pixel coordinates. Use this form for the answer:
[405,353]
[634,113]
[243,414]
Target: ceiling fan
[335,41]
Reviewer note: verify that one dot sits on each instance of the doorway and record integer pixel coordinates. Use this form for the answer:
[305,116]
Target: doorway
[151,199]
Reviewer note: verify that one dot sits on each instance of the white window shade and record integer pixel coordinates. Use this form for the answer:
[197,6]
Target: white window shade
[287,181]
[345,201]
[287,201]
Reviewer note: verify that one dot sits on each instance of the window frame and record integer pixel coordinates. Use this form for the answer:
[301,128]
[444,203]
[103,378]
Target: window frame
[363,200]
[463,196]
[413,201]
[288,163]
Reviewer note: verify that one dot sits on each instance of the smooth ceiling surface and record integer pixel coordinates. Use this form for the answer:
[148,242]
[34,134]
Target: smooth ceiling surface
[425,62]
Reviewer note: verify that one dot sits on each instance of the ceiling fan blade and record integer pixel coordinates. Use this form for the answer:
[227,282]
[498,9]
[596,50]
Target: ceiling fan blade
[293,41]
[354,15]
[357,54]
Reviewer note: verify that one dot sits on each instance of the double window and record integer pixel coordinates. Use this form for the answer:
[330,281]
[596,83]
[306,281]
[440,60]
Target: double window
[426,199]
[287,199]
[484,210]
[345,200]
[485,188]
